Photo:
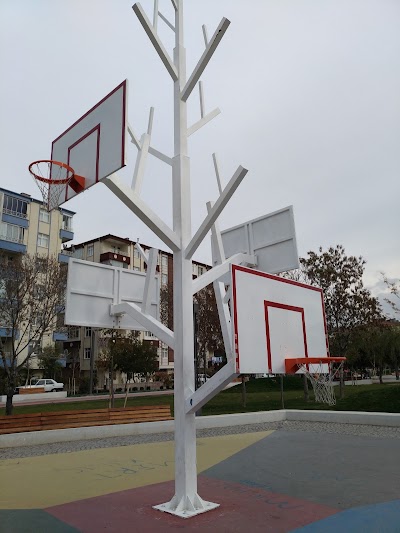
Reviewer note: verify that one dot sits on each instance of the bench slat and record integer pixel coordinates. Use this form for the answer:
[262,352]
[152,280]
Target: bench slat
[83,418]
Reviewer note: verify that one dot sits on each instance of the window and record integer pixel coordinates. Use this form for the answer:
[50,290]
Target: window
[41,264]
[43,240]
[14,206]
[90,250]
[115,249]
[114,263]
[3,290]
[78,253]
[73,333]
[164,261]
[36,320]
[67,222]
[39,291]
[164,356]
[88,332]
[87,353]
[201,271]
[11,233]
[44,216]
[164,279]
[136,253]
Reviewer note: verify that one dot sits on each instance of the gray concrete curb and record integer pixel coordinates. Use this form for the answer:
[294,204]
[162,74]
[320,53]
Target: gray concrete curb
[204,422]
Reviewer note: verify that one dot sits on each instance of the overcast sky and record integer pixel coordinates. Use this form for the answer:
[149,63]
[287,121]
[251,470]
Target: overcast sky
[310,98]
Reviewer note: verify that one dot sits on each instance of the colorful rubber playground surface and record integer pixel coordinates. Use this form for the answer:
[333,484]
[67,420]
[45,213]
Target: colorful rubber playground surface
[280,481]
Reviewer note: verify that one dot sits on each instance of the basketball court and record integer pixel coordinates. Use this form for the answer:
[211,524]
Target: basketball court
[273,480]
[280,480]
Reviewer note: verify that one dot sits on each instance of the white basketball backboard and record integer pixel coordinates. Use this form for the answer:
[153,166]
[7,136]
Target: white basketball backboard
[275,319]
[94,146]
[92,288]
[272,238]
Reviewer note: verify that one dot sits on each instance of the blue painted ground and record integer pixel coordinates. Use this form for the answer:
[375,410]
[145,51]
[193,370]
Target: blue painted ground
[382,518]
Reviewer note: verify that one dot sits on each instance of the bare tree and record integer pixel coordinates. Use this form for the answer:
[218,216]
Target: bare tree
[32,293]
[208,328]
[394,293]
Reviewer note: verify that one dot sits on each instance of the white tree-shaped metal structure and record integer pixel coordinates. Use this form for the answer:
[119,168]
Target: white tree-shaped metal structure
[186,502]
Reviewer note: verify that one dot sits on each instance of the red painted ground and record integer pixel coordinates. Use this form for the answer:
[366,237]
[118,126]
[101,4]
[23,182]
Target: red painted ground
[242,508]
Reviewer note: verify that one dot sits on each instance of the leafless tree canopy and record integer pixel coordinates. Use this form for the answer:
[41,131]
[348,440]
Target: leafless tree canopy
[32,293]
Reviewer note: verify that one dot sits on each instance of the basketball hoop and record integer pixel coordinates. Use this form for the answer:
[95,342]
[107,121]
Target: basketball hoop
[314,368]
[52,177]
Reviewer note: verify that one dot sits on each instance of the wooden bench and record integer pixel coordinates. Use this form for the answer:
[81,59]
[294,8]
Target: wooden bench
[83,418]
[27,390]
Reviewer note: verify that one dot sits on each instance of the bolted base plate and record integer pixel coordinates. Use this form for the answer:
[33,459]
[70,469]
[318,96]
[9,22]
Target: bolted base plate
[186,507]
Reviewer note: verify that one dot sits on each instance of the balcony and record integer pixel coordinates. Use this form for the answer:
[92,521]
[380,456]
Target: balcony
[60,336]
[7,333]
[111,257]
[14,220]
[7,356]
[64,255]
[11,246]
[66,235]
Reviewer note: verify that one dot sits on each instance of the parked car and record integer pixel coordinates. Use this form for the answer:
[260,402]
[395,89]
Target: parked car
[202,378]
[49,385]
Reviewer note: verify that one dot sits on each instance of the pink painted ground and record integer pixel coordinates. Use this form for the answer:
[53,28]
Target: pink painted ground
[242,508]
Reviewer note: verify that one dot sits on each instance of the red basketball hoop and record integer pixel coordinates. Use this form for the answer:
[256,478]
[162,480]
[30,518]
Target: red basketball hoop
[320,371]
[52,178]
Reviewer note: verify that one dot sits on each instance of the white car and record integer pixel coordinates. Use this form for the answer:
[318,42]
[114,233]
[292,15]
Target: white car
[49,385]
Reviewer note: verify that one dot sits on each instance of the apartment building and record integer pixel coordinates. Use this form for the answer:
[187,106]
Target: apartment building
[120,252]
[27,228]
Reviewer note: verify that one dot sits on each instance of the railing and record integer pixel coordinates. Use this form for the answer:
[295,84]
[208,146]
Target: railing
[14,213]
[18,240]
[73,333]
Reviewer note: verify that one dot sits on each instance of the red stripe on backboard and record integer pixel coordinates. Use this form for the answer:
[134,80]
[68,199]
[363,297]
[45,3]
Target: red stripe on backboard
[98,129]
[235,331]
[325,325]
[124,111]
[123,85]
[236,268]
[277,305]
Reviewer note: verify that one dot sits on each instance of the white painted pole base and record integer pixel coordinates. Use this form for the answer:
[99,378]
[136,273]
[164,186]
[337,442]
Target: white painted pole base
[186,507]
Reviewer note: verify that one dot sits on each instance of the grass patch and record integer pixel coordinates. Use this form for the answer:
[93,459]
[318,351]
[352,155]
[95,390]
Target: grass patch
[93,404]
[261,395]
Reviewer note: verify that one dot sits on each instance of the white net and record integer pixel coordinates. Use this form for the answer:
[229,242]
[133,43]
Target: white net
[52,179]
[322,381]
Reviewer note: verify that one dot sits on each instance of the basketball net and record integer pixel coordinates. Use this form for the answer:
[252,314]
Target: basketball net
[322,381]
[52,178]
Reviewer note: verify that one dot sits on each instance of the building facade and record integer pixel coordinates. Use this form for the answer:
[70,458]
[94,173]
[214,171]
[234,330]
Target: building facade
[26,227]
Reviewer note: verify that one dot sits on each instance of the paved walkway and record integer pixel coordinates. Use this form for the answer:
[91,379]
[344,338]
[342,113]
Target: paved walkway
[285,478]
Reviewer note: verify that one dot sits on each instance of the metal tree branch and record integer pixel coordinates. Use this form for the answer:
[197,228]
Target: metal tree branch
[205,58]
[215,211]
[143,211]
[159,47]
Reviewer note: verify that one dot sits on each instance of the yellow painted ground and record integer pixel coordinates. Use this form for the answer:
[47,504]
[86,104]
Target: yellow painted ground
[39,482]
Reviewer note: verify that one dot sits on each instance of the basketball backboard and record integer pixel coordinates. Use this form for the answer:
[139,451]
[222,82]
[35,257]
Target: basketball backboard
[272,238]
[94,146]
[92,288]
[275,319]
